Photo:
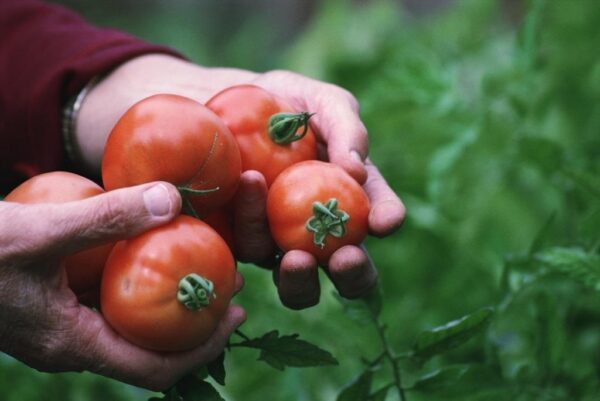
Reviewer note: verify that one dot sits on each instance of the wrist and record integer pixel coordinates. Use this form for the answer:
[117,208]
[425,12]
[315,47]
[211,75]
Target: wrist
[70,115]
[135,80]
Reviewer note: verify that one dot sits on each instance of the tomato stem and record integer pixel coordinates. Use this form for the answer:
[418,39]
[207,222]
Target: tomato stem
[195,292]
[186,192]
[327,219]
[283,127]
[196,192]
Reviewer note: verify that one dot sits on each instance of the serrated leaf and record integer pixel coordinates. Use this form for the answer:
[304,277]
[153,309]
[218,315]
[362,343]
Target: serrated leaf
[364,309]
[439,378]
[576,263]
[216,369]
[192,388]
[281,351]
[451,334]
[358,389]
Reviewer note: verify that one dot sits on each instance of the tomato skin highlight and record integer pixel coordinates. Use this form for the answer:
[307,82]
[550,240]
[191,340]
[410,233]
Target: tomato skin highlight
[84,268]
[290,206]
[176,139]
[246,110]
[140,285]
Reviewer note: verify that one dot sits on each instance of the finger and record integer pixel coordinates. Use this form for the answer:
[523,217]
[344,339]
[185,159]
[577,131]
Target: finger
[253,242]
[338,124]
[298,280]
[239,282]
[110,355]
[387,210]
[60,229]
[351,271]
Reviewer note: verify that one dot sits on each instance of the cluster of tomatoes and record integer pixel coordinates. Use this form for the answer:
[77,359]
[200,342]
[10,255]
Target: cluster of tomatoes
[202,149]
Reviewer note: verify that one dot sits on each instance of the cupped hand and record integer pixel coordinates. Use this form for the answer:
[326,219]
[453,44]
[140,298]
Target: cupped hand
[342,137]
[350,268]
[41,320]
[343,140]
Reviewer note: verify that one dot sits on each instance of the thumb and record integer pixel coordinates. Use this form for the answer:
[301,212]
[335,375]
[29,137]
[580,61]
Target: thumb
[61,229]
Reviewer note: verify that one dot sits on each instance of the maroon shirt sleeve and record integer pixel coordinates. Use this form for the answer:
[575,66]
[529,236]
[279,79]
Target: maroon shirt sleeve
[47,54]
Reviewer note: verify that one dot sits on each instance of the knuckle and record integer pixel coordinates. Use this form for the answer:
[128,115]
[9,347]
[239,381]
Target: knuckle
[108,218]
[351,99]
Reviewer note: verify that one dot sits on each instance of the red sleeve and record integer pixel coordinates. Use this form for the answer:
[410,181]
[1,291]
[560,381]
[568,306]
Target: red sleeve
[47,54]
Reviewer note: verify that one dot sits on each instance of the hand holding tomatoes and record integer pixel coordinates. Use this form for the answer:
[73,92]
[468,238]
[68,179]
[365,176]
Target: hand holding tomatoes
[43,324]
[296,273]
[318,208]
[336,124]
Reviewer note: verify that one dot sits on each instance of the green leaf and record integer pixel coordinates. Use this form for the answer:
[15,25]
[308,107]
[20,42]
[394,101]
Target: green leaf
[542,235]
[545,154]
[192,388]
[363,310]
[170,395]
[439,378]
[216,369]
[281,351]
[380,395]
[452,334]
[358,389]
[576,263]
[584,180]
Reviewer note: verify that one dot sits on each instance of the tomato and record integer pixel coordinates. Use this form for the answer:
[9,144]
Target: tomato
[84,269]
[317,207]
[270,134]
[173,138]
[167,288]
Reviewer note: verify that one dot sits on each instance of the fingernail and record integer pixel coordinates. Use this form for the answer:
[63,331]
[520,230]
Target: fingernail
[157,200]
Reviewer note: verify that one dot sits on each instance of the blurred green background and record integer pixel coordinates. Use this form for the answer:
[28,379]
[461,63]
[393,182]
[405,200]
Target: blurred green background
[484,116]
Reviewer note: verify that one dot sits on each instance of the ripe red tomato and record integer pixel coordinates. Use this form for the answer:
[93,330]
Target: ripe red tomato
[317,207]
[84,269]
[168,288]
[270,134]
[176,139]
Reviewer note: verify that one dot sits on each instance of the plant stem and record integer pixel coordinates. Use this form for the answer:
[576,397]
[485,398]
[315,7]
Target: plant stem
[389,354]
[239,333]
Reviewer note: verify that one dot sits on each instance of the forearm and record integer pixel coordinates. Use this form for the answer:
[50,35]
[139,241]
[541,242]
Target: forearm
[47,54]
[136,79]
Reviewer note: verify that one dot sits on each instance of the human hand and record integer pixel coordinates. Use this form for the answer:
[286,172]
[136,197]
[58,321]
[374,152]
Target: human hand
[342,140]
[41,321]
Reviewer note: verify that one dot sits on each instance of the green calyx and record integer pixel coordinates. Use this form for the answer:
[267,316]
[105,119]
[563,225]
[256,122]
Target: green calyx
[195,292]
[327,219]
[283,127]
